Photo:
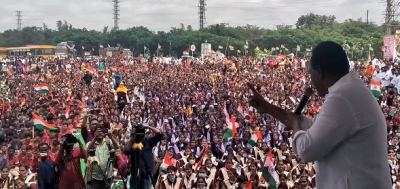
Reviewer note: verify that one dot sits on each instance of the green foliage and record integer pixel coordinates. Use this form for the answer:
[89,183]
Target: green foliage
[309,30]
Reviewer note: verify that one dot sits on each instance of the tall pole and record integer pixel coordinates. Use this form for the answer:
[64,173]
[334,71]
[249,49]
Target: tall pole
[369,51]
[169,51]
[391,8]
[367,17]
[19,20]
[116,14]
[389,16]
[227,43]
[202,14]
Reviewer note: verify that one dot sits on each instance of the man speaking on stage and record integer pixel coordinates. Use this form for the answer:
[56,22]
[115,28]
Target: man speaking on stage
[347,140]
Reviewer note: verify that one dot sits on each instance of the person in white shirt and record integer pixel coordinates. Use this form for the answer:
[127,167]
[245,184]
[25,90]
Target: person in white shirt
[347,139]
[351,65]
[387,77]
[396,80]
[303,63]
[379,75]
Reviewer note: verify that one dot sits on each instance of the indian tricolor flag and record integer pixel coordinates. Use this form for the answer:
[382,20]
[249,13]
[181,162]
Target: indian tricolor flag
[240,110]
[258,69]
[40,124]
[41,88]
[254,137]
[69,95]
[268,172]
[230,132]
[166,161]
[250,114]
[383,48]
[376,88]
[91,70]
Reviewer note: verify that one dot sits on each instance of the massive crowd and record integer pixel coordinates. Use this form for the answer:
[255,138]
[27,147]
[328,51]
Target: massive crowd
[211,138]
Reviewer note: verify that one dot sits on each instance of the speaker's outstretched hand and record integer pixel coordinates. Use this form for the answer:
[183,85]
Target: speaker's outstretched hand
[257,101]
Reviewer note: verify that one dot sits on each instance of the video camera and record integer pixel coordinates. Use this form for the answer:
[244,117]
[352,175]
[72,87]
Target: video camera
[103,129]
[69,142]
[95,111]
[92,152]
[138,133]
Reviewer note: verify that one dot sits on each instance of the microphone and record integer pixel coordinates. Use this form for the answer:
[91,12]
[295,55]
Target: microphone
[303,101]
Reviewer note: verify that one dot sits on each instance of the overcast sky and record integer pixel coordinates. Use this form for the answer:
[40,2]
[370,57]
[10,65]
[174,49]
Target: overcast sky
[162,14]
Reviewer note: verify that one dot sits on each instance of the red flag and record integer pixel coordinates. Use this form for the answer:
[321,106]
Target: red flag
[201,159]
[271,62]
[269,155]
[167,160]
[52,111]
[248,185]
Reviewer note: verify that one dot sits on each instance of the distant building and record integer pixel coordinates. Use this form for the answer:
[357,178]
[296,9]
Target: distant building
[110,51]
[127,53]
[115,51]
[65,49]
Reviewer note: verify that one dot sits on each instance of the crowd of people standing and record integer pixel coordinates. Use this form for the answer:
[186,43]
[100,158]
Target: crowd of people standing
[211,137]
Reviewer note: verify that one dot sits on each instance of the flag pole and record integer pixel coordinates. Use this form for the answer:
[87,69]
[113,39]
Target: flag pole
[226,48]
[169,51]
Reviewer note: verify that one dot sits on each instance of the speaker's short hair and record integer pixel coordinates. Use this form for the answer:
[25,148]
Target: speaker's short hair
[331,58]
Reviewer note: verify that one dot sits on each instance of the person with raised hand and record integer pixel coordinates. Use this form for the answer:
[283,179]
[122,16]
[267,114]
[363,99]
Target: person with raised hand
[347,139]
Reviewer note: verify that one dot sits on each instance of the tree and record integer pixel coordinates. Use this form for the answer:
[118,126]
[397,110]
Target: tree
[284,27]
[65,26]
[310,29]
[315,20]
[105,29]
[189,28]
[45,27]
[59,25]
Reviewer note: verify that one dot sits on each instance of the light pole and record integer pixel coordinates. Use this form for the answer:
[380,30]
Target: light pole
[169,51]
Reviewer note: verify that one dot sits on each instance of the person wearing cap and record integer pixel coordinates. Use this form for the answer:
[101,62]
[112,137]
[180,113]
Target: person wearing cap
[122,97]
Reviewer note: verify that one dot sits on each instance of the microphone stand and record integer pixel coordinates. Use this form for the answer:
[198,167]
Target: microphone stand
[136,169]
[137,147]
